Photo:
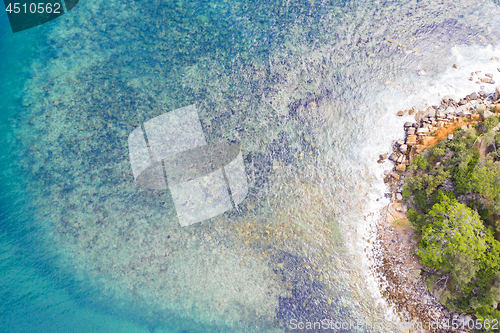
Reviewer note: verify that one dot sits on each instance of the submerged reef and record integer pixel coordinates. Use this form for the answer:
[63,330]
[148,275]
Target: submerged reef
[287,82]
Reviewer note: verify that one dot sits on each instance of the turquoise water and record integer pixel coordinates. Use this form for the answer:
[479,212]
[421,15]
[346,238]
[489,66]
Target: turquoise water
[34,298]
[309,89]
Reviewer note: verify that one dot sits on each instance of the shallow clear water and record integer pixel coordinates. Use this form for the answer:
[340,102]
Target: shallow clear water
[309,89]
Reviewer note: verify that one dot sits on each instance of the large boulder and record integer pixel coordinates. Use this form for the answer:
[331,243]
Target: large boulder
[422,131]
[401,167]
[473,96]
[450,109]
[411,140]
[487,114]
[460,109]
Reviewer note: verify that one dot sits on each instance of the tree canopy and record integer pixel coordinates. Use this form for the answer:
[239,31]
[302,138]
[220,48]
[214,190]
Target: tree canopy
[454,204]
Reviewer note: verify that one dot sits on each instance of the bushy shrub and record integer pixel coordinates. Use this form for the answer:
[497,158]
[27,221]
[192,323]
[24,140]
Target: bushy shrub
[462,173]
[497,140]
[418,220]
[406,193]
[456,243]
[421,162]
[429,282]
[457,239]
[438,150]
[490,122]
[485,179]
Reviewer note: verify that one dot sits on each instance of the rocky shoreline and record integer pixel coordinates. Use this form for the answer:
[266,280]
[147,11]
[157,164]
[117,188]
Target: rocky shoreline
[395,267]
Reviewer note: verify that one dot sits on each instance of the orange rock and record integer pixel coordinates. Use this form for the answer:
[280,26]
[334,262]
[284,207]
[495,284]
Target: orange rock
[419,148]
[411,140]
[394,213]
[442,132]
[487,80]
[428,141]
[401,167]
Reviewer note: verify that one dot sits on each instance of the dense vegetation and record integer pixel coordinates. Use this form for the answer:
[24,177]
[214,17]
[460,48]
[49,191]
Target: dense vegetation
[454,204]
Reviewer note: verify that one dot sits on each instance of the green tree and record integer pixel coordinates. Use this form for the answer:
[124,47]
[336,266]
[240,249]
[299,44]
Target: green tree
[438,150]
[485,179]
[456,236]
[490,122]
[463,172]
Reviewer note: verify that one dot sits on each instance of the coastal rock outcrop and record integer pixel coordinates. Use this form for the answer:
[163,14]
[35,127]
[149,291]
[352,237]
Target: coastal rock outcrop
[395,265]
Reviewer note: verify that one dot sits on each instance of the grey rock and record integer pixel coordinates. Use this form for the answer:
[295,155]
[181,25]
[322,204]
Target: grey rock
[460,109]
[461,320]
[480,107]
[450,109]
[450,136]
[422,130]
[487,114]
